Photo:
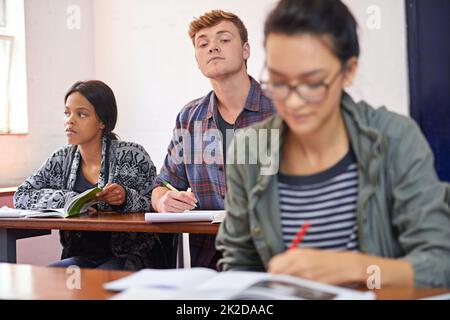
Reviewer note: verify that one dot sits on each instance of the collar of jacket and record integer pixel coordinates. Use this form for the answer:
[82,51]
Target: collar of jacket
[366,141]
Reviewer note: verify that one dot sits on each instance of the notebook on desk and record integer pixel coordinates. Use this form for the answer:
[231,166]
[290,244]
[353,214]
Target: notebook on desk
[207,284]
[75,206]
[213,216]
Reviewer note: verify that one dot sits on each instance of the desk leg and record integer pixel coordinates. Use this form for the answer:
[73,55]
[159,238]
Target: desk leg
[8,239]
[7,246]
[180,253]
[186,251]
[183,251]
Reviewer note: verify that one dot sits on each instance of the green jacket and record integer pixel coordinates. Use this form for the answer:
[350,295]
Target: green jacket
[402,207]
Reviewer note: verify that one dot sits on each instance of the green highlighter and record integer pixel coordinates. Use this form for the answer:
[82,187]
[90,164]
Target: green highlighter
[169,186]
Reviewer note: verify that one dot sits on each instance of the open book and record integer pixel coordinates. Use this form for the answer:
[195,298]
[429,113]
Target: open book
[207,284]
[213,216]
[76,205]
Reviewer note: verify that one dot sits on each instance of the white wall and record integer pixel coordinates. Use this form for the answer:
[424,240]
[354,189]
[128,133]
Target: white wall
[142,50]
[56,58]
[383,67]
[15,27]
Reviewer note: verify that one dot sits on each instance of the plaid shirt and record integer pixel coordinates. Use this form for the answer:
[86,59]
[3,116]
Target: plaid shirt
[195,159]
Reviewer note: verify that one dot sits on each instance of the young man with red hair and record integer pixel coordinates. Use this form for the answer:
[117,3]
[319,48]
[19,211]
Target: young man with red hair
[221,50]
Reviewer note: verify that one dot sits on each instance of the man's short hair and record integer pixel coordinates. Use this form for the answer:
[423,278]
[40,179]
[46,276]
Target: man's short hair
[213,18]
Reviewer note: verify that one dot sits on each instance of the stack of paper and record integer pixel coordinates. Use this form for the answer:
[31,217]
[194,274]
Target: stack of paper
[213,216]
[6,212]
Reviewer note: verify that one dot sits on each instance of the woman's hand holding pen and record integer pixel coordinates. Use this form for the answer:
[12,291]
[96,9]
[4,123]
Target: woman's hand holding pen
[332,267]
[113,194]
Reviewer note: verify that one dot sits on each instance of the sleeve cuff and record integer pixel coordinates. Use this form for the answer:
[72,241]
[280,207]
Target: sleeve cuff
[428,272]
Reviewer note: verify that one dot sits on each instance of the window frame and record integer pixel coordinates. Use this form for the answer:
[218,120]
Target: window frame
[5,127]
[3,15]
[14,115]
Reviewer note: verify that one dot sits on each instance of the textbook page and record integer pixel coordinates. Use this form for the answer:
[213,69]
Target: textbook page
[6,212]
[211,287]
[46,213]
[232,285]
[166,279]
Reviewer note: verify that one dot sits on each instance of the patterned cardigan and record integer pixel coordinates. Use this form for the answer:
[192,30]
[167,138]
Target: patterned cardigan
[124,163]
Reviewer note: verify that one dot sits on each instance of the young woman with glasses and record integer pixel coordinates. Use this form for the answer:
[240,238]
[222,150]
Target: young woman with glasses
[361,178]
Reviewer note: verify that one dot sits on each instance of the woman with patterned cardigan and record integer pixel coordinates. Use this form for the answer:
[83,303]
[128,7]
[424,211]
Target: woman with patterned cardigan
[95,157]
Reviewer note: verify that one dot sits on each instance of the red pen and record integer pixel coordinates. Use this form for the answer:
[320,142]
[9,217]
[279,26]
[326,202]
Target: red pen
[298,238]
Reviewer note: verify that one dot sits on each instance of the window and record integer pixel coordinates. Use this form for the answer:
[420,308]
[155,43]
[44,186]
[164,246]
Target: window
[2,13]
[6,43]
[13,87]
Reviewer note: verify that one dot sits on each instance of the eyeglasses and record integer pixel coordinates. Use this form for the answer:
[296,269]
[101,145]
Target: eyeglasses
[313,93]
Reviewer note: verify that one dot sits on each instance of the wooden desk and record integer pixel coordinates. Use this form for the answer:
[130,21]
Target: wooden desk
[119,222]
[33,282]
[13,229]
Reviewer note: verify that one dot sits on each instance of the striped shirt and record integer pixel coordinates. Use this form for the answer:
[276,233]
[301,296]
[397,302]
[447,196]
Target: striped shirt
[327,201]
